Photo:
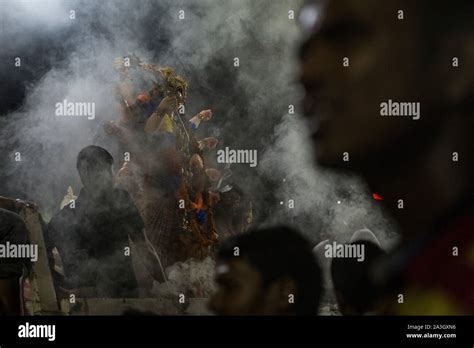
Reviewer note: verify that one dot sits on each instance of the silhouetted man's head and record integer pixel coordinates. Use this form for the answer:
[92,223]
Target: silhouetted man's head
[360,54]
[94,164]
[266,272]
[354,286]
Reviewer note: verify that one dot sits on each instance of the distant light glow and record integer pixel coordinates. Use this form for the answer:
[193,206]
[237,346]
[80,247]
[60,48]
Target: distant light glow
[309,16]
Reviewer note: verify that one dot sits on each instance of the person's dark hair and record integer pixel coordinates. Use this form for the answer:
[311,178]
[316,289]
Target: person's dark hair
[93,157]
[353,279]
[276,253]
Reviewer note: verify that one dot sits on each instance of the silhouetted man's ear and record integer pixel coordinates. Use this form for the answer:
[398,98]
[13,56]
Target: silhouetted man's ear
[281,296]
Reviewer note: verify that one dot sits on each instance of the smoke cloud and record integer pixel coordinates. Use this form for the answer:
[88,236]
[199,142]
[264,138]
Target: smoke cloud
[67,49]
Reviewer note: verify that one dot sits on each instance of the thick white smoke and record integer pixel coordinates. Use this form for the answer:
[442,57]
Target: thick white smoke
[334,205]
[250,103]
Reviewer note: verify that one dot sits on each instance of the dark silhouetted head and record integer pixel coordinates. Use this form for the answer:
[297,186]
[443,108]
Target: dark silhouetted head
[360,54]
[267,272]
[354,287]
[94,165]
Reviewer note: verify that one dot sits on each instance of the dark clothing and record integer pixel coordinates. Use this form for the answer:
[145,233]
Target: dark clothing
[14,231]
[436,272]
[443,274]
[92,238]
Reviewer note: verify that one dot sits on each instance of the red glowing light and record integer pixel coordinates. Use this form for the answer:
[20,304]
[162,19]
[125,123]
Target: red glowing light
[376,197]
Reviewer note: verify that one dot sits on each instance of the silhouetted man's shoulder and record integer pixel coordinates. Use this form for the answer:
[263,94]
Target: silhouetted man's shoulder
[123,198]
[61,219]
[123,203]
[63,216]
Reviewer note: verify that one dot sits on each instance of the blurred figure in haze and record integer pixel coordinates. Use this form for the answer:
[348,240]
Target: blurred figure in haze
[362,60]
[92,233]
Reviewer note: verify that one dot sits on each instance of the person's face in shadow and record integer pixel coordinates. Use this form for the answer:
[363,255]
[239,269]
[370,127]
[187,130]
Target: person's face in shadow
[240,291]
[343,103]
[97,179]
